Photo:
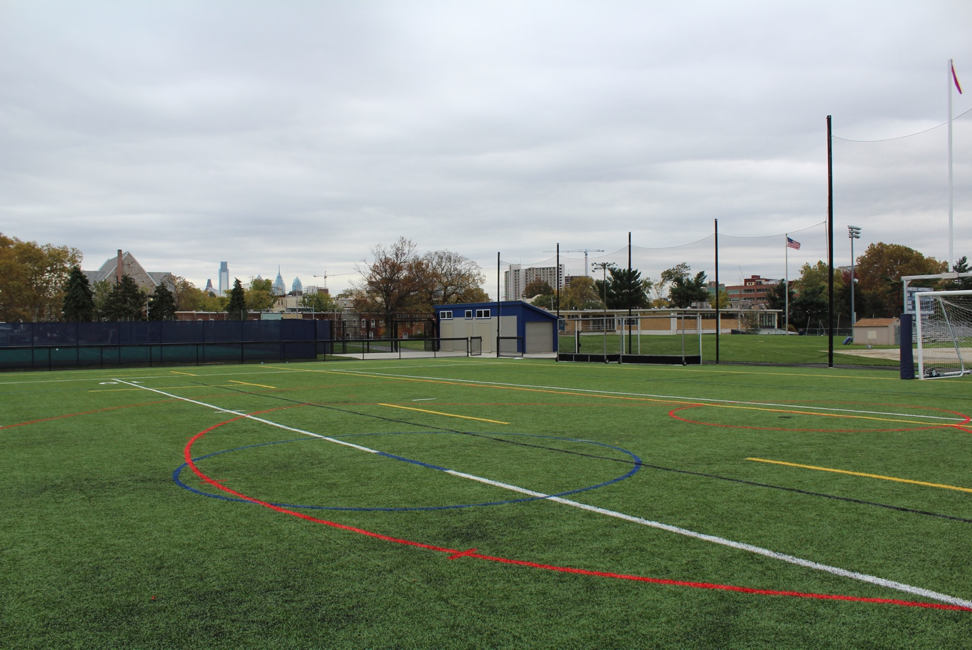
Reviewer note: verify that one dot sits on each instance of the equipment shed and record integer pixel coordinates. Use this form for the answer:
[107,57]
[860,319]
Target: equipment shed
[513,327]
[877,331]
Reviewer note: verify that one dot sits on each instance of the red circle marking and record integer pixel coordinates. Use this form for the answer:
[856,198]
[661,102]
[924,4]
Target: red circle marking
[470,553]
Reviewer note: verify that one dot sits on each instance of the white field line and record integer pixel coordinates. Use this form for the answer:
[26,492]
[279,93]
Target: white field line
[674,398]
[274,371]
[854,575]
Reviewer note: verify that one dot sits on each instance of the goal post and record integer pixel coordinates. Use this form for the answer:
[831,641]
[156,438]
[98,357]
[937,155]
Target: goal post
[943,332]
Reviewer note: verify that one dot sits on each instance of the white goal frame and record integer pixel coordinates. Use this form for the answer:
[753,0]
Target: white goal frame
[944,346]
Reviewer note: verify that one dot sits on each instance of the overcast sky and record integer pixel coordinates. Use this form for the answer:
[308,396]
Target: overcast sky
[301,134]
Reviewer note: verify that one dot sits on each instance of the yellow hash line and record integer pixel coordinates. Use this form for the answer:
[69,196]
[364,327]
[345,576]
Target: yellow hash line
[448,415]
[233,381]
[187,374]
[844,471]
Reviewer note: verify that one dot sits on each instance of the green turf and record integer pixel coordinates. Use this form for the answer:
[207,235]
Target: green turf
[99,547]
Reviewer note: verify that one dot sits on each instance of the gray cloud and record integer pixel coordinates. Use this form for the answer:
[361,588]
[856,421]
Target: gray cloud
[303,133]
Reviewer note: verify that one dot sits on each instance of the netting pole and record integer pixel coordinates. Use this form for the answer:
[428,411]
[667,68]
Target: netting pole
[557,271]
[830,244]
[951,76]
[499,320]
[718,316]
[630,292]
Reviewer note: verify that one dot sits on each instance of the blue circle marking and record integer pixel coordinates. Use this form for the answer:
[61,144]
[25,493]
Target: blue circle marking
[635,461]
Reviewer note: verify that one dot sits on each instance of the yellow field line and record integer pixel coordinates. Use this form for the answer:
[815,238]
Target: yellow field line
[448,415]
[233,381]
[878,476]
[187,374]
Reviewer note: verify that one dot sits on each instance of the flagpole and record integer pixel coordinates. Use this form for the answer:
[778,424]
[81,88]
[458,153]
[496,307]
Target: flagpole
[786,283]
[951,76]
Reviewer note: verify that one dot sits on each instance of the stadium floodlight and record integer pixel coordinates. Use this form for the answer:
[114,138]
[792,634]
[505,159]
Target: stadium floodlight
[853,232]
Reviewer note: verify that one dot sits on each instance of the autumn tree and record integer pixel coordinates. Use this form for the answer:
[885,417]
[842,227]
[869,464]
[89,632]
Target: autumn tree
[32,279]
[390,283]
[814,281]
[451,277]
[236,307]
[78,304]
[319,301]
[879,271]
[537,287]
[161,304]
[260,297]
[581,293]
[187,296]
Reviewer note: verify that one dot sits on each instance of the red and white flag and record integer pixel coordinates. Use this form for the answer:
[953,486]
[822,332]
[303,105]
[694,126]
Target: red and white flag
[955,78]
[792,243]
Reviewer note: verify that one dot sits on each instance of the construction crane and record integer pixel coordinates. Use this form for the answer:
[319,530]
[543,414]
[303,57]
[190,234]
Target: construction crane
[332,275]
[582,250]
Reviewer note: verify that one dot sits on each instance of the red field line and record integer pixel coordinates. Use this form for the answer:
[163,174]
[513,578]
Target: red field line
[454,553]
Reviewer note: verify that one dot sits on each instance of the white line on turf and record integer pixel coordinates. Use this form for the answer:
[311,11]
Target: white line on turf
[595,391]
[791,559]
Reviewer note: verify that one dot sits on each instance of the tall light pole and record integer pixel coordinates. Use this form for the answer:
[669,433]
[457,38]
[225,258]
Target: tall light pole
[853,232]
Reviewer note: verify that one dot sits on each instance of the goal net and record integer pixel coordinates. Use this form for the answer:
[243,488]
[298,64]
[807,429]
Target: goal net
[943,327]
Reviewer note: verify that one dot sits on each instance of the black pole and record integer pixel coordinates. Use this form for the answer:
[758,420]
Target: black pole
[630,292]
[830,245]
[718,317]
[498,320]
[557,328]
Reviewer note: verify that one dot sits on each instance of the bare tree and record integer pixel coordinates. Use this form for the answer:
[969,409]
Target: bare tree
[390,283]
[453,277]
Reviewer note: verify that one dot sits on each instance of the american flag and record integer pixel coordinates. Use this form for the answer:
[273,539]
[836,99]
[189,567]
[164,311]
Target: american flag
[792,243]
[955,77]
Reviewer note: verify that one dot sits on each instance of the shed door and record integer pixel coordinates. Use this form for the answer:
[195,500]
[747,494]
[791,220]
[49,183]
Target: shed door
[539,337]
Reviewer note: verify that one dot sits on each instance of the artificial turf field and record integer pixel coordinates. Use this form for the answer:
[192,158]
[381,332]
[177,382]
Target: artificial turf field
[484,503]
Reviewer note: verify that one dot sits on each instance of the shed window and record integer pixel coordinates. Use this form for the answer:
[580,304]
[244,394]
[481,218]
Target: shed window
[445,315]
[469,313]
[482,313]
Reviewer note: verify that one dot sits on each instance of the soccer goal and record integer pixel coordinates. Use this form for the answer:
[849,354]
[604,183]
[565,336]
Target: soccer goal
[943,329]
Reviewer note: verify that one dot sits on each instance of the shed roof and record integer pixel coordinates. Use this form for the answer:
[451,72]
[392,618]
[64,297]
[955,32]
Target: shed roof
[876,322]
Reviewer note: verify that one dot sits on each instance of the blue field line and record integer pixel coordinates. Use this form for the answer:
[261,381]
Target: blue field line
[636,461]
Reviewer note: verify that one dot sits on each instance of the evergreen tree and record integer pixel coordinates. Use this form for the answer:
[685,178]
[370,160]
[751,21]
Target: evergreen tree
[685,290]
[626,289]
[125,302]
[78,297]
[161,305]
[236,309]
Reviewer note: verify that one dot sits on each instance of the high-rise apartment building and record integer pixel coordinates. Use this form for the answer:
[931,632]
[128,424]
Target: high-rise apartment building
[517,278]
